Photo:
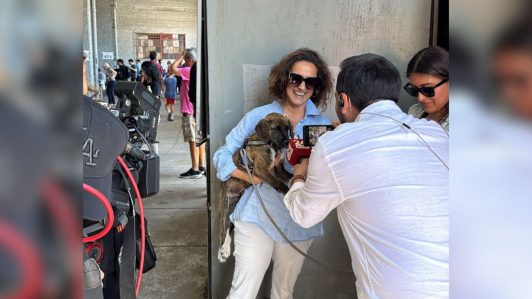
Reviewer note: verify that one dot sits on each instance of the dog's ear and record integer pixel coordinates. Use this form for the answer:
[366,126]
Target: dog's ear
[290,131]
[263,130]
[289,126]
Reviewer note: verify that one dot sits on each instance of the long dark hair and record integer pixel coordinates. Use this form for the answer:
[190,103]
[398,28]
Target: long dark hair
[151,71]
[430,61]
[278,79]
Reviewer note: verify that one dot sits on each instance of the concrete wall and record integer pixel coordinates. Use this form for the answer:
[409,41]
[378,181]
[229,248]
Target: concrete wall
[105,30]
[87,41]
[259,33]
[160,16]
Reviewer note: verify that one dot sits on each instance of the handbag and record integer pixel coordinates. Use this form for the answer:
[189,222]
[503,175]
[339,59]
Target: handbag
[150,257]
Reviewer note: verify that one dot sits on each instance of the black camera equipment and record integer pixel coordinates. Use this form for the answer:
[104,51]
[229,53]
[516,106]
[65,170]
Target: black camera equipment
[109,133]
[138,109]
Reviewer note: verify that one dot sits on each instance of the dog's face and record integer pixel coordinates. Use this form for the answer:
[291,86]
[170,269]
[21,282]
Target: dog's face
[275,129]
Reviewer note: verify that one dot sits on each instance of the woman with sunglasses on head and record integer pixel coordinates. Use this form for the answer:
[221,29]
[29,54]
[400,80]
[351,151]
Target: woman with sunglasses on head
[300,83]
[428,76]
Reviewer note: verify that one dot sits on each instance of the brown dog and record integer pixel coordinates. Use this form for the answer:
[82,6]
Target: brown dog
[265,156]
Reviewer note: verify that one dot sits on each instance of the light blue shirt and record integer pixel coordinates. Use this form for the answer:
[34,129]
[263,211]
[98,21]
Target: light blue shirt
[249,208]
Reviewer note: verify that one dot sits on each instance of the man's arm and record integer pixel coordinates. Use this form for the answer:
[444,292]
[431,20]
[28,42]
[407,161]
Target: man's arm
[311,201]
[113,74]
[175,65]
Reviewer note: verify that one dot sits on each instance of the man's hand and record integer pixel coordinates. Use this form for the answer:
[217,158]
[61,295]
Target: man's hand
[120,228]
[301,168]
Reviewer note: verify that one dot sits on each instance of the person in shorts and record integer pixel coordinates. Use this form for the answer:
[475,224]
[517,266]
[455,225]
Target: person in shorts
[187,108]
[170,94]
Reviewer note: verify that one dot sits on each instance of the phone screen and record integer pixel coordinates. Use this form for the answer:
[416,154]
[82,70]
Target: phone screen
[313,132]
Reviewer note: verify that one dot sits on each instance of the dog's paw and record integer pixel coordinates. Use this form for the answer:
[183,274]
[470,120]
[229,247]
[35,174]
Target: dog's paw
[221,256]
[225,250]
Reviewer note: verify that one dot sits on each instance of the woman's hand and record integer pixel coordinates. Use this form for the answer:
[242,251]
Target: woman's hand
[256,180]
[240,174]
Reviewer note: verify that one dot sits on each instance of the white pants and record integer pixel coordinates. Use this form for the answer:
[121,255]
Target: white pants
[254,250]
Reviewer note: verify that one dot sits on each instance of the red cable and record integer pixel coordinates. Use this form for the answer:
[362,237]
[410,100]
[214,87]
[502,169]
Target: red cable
[29,259]
[110,213]
[142,228]
[67,221]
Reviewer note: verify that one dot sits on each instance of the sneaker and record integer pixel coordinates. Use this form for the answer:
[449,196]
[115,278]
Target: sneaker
[203,170]
[191,174]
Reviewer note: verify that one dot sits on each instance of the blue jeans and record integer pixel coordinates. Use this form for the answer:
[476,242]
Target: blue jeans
[111,91]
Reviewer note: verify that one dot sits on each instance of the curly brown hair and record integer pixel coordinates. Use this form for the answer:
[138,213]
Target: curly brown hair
[278,79]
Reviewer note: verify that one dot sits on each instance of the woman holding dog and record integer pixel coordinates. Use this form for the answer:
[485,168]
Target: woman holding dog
[300,82]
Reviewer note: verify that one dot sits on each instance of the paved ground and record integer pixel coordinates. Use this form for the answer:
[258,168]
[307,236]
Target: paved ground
[177,218]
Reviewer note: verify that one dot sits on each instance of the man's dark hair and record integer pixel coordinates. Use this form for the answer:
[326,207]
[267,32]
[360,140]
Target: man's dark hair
[517,36]
[138,60]
[367,78]
[120,61]
[153,55]
[130,60]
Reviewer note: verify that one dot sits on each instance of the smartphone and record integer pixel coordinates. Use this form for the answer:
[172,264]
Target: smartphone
[311,133]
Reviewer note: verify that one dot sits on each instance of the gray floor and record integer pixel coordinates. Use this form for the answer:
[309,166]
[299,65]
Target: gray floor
[177,218]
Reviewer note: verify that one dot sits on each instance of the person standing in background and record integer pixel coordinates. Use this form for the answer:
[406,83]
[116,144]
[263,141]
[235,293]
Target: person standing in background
[137,63]
[188,121]
[192,95]
[132,70]
[428,76]
[163,66]
[150,77]
[110,83]
[122,71]
[153,60]
[170,94]
[101,82]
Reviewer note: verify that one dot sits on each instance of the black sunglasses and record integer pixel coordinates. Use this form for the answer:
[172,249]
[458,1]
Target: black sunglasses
[311,83]
[426,91]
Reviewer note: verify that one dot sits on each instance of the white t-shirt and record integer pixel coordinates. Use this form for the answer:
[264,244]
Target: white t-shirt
[392,198]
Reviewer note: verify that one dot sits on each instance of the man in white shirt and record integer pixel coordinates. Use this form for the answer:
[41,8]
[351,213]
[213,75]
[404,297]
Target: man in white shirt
[387,175]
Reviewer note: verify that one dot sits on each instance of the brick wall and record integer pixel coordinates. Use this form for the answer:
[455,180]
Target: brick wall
[159,16]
